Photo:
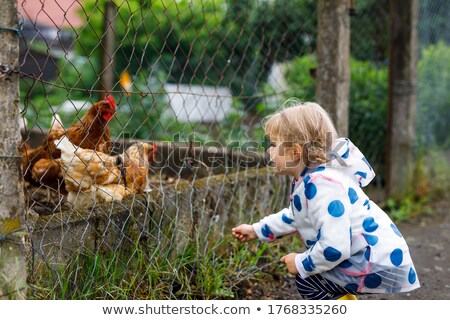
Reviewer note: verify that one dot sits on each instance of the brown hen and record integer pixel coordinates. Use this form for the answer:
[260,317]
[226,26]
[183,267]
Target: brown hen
[93,176]
[42,165]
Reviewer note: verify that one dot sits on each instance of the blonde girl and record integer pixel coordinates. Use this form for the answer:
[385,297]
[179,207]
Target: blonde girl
[352,246]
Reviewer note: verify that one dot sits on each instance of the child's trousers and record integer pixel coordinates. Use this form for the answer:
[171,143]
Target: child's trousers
[317,287]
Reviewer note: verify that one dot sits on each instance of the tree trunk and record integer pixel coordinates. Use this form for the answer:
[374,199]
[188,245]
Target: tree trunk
[12,207]
[402,98]
[333,61]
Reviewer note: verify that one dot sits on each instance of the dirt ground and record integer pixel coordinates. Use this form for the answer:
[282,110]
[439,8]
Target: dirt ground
[428,237]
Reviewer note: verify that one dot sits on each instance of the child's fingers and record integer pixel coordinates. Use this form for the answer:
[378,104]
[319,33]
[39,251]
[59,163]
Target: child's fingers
[236,230]
[238,235]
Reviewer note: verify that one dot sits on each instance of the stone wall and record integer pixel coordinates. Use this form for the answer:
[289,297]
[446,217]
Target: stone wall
[199,211]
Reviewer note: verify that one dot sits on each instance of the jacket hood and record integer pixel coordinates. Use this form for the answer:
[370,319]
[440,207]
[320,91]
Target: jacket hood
[346,155]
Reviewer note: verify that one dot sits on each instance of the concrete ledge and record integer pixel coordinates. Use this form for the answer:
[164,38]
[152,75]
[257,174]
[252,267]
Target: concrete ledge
[199,211]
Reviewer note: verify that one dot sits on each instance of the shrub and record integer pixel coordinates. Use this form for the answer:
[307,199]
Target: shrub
[433,96]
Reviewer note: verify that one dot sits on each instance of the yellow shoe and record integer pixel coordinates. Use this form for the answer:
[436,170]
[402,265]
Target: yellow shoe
[348,296]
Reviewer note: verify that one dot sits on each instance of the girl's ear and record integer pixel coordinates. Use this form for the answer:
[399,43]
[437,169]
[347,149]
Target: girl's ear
[298,151]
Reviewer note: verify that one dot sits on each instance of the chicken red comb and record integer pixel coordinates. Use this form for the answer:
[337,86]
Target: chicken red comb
[110,100]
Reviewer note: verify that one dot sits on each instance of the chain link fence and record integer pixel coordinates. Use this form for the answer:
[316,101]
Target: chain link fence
[370,28]
[433,99]
[164,99]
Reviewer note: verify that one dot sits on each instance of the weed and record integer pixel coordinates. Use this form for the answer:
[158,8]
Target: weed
[149,272]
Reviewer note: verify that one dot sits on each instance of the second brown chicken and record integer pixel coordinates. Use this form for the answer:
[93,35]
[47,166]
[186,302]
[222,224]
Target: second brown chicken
[92,176]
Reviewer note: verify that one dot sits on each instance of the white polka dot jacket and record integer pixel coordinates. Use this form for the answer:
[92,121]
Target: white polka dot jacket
[348,238]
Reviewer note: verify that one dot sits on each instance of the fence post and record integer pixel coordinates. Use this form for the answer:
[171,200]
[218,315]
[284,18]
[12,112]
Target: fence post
[333,60]
[108,47]
[402,97]
[12,206]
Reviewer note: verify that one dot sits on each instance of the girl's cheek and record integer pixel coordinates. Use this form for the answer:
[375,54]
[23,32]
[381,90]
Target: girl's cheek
[271,154]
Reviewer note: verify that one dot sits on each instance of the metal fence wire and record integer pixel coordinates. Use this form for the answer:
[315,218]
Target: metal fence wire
[143,143]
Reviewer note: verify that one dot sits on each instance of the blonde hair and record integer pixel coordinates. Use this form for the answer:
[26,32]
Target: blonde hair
[307,124]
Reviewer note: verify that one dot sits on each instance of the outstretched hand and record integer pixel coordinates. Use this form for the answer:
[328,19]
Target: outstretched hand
[244,233]
[289,261]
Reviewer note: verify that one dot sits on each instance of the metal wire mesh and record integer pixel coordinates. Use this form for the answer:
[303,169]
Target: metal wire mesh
[192,79]
[433,99]
[369,83]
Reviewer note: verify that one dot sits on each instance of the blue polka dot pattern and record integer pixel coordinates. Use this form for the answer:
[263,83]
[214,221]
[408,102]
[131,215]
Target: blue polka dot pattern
[286,219]
[361,173]
[345,155]
[369,224]
[371,239]
[397,232]
[336,208]
[367,254]
[352,195]
[311,263]
[306,180]
[351,286]
[367,203]
[345,264]
[351,235]
[372,281]
[310,242]
[310,190]
[307,265]
[367,162]
[318,169]
[304,172]
[412,277]
[297,203]
[318,234]
[331,254]
[396,257]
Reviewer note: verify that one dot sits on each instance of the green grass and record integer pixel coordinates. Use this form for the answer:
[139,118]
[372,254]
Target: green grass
[150,273]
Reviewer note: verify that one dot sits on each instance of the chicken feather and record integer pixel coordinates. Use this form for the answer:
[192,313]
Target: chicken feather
[101,176]
[91,132]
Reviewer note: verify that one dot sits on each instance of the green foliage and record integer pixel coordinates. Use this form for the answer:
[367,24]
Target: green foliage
[407,208]
[149,273]
[36,100]
[140,116]
[370,30]
[285,29]
[298,76]
[368,111]
[225,43]
[437,172]
[434,96]
[433,22]
[221,43]
[182,38]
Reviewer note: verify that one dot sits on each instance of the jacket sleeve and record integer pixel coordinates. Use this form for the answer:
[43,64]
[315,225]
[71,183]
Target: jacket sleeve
[275,226]
[329,213]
